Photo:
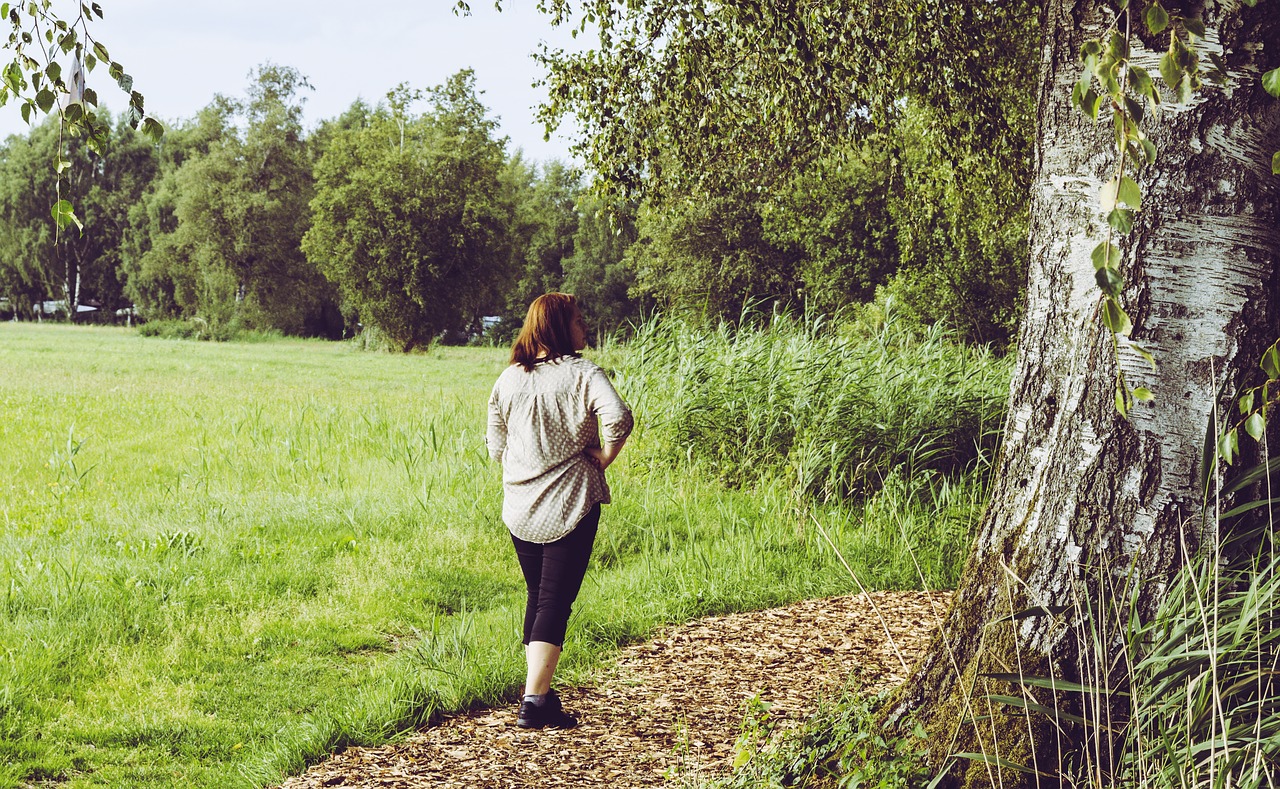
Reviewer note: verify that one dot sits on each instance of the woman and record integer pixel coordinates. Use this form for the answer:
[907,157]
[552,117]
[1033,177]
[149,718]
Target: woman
[543,415]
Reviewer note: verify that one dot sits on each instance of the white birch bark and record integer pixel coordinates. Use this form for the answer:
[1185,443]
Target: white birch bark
[1081,495]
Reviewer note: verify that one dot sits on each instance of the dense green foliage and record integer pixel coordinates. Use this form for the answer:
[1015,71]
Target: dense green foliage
[810,154]
[221,561]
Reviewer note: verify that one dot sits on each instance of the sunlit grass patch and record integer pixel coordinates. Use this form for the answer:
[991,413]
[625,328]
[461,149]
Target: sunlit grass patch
[219,561]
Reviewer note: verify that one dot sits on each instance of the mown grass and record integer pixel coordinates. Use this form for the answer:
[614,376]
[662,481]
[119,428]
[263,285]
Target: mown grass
[220,561]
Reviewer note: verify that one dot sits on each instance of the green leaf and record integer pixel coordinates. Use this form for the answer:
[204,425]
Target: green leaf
[73,112]
[1122,401]
[1118,45]
[1121,219]
[1092,103]
[45,100]
[1271,82]
[1148,150]
[1275,163]
[1106,254]
[1250,3]
[1246,402]
[53,70]
[1141,81]
[1109,281]
[1129,193]
[1115,318]
[1133,109]
[26,112]
[1143,394]
[89,62]
[90,97]
[1185,89]
[1143,352]
[153,129]
[65,216]
[1194,26]
[1270,363]
[1157,18]
[1228,446]
[1255,425]
[1090,48]
[1170,70]
[101,52]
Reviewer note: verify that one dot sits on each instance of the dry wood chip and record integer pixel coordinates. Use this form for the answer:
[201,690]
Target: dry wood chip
[674,704]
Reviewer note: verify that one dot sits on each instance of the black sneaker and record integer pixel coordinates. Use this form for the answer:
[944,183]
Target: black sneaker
[549,716]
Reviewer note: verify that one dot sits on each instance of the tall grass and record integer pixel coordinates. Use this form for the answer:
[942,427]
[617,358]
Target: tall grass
[219,561]
[836,408]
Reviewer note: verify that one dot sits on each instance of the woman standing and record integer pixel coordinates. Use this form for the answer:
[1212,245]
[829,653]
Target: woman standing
[543,416]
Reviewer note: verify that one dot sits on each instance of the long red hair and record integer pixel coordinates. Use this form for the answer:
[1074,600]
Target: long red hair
[547,326]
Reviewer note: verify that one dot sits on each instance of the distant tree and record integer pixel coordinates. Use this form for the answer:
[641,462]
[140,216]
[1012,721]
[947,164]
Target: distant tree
[709,254]
[37,260]
[597,272]
[960,224]
[543,224]
[834,215]
[240,205]
[409,219]
[159,270]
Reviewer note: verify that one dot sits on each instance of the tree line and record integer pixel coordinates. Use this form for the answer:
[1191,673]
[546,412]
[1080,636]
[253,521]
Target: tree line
[412,217]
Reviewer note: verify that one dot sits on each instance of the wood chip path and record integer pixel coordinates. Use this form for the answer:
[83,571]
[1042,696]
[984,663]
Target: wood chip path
[672,706]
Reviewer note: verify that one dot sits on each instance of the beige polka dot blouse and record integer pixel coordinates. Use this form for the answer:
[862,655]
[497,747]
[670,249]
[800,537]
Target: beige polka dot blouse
[539,424]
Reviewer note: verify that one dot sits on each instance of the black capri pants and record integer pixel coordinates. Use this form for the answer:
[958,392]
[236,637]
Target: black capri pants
[553,574]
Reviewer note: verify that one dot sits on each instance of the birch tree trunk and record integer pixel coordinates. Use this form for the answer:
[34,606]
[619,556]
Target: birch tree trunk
[1083,496]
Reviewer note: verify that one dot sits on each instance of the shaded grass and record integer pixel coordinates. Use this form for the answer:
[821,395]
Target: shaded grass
[219,562]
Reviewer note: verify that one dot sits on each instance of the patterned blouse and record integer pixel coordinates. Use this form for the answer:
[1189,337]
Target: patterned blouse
[539,424]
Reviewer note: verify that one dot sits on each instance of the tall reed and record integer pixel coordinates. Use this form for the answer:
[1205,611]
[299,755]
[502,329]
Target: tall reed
[835,406]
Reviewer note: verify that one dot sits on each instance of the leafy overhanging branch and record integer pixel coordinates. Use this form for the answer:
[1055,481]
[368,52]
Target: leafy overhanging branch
[41,39]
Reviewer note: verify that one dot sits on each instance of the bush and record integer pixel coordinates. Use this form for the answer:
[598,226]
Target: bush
[201,329]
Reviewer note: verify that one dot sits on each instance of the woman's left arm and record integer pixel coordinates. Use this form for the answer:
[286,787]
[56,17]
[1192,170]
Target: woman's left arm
[616,420]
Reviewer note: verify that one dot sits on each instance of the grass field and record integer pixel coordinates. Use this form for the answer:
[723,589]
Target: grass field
[219,561]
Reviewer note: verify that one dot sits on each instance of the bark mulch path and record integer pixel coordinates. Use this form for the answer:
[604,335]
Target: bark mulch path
[672,705]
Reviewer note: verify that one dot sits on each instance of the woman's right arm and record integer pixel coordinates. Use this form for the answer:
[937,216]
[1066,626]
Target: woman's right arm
[496,434]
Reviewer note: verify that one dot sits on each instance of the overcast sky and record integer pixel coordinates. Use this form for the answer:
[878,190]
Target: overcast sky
[181,52]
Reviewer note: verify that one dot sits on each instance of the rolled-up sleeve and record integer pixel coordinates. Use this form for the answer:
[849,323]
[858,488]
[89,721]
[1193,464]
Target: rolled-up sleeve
[616,421]
[496,434]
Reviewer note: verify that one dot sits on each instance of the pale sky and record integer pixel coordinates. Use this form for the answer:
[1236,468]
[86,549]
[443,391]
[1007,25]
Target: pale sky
[181,52]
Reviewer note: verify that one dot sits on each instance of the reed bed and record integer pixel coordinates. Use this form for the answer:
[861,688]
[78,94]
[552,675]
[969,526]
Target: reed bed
[837,408]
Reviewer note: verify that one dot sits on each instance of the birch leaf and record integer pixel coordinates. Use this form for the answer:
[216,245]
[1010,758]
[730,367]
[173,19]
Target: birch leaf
[1271,81]
[1129,193]
[1254,426]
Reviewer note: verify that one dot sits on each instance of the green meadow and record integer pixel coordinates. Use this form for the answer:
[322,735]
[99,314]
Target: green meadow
[220,561]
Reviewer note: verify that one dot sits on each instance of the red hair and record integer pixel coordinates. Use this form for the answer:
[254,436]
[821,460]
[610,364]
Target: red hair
[547,327]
